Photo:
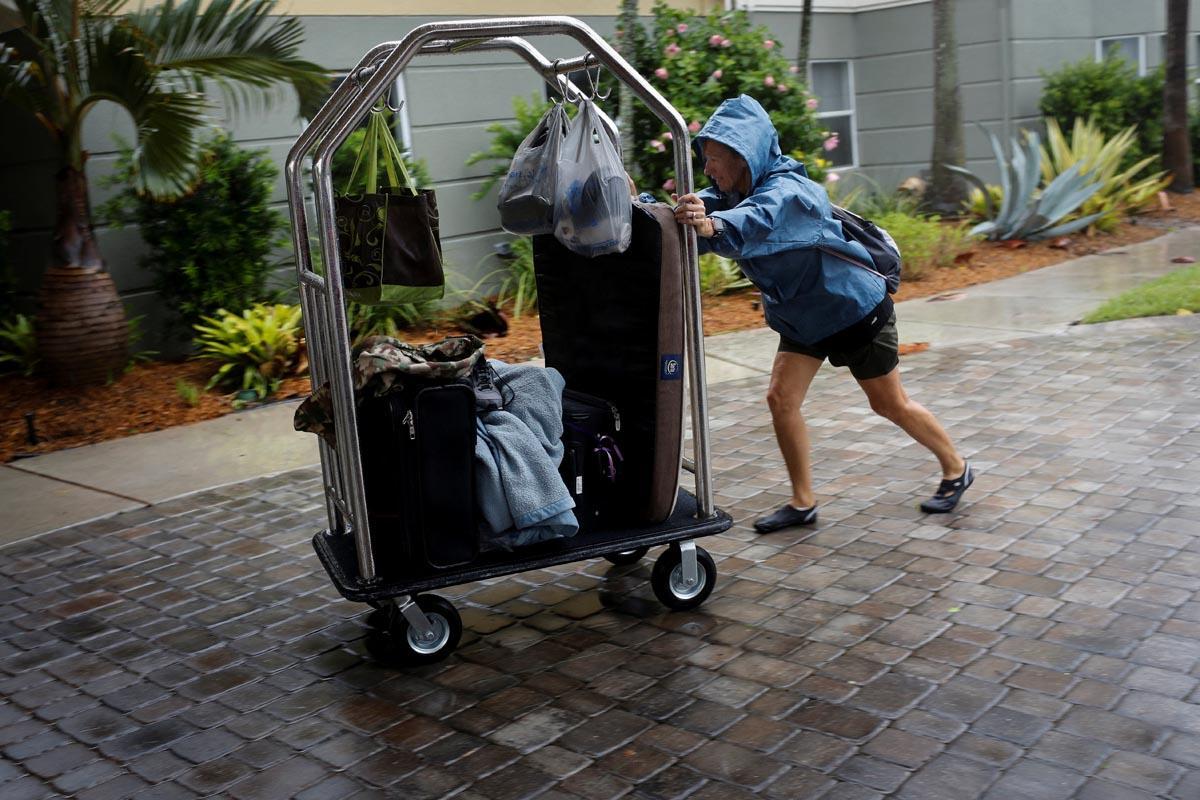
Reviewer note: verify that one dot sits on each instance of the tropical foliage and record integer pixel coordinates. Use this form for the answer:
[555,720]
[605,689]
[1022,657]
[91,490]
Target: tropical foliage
[385,320]
[1115,96]
[1026,212]
[211,247]
[255,349]
[155,62]
[698,61]
[18,347]
[720,275]
[1101,159]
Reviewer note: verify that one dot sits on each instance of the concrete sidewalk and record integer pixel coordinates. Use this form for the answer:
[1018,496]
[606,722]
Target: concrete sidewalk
[71,486]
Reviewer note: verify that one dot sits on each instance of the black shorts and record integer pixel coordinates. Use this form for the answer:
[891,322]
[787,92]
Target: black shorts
[876,358]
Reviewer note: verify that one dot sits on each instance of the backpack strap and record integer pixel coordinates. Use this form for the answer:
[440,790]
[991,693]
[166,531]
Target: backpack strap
[856,263]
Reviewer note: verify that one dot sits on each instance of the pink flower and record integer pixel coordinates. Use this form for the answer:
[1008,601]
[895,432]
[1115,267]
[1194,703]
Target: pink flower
[657,145]
[681,27]
[673,48]
[831,143]
[782,88]
[715,40]
[668,135]
[661,73]
[767,43]
[716,76]
[812,103]
[832,178]
[669,185]
[694,126]
[769,81]
[795,70]
[727,43]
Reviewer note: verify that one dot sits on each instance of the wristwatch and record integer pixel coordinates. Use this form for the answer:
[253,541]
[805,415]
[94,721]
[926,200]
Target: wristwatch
[718,227]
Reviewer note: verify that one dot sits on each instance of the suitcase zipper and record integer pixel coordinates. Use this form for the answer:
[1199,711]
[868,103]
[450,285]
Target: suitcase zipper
[408,420]
[616,415]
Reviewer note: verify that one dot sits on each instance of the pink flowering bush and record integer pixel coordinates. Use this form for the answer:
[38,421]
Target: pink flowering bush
[698,61]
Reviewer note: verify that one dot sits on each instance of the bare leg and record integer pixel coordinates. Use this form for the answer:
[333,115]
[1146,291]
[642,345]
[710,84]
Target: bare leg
[791,376]
[889,400]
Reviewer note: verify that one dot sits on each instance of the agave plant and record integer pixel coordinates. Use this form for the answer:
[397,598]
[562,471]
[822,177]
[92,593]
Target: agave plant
[1025,212]
[1101,158]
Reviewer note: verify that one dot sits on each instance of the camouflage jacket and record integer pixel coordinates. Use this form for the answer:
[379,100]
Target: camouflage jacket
[386,365]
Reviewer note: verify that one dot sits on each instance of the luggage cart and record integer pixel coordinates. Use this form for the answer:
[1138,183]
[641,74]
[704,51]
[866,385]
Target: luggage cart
[425,627]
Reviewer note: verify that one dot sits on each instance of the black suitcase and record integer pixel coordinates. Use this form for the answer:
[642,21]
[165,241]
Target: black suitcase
[591,466]
[418,451]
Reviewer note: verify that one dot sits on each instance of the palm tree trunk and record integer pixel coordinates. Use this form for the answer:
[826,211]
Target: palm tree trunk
[946,191]
[627,19]
[1177,155]
[805,38]
[81,329]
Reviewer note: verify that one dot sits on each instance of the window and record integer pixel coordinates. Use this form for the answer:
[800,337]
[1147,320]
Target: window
[1129,48]
[833,84]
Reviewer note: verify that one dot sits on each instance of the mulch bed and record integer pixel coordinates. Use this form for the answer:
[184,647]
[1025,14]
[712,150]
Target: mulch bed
[37,418]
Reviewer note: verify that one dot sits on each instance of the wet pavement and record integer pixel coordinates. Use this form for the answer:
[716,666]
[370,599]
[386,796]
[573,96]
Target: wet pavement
[1042,643]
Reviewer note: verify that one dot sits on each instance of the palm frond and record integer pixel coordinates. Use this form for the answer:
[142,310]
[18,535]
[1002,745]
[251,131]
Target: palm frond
[166,120]
[234,43]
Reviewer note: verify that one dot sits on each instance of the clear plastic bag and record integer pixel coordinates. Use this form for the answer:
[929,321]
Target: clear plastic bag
[526,200]
[594,212]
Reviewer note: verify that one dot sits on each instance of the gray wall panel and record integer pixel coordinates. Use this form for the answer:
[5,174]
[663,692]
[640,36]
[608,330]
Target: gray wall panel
[445,149]
[893,72]
[449,95]
[896,109]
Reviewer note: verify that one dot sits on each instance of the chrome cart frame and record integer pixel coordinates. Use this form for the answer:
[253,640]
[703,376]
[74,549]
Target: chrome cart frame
[323,301]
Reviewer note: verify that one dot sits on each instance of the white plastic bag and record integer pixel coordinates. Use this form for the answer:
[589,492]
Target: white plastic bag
[594,213]
[526,201]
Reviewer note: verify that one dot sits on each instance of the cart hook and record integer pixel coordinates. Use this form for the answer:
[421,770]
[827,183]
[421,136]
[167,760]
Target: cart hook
[595,84]
[565,86]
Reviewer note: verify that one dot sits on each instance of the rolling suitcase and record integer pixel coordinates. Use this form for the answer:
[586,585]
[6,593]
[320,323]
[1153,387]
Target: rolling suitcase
[418,450]
[613,326]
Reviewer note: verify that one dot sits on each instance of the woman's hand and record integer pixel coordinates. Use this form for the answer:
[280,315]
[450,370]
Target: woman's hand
[689,210]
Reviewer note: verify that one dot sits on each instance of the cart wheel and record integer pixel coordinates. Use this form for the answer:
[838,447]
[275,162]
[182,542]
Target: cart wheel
[409,648]
[669,585]
[626,557]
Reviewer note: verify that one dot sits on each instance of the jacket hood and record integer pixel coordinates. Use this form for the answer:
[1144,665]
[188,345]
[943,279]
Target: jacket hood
[742,124]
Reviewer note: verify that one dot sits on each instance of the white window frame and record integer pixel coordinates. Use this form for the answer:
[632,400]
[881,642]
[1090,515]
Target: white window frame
[851,112]
[1141,49]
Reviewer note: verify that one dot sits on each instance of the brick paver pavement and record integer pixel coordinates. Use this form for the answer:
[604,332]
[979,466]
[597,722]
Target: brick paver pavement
[1044,643]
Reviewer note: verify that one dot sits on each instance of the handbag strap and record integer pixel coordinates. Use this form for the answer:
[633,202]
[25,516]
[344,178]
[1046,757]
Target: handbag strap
[380,145]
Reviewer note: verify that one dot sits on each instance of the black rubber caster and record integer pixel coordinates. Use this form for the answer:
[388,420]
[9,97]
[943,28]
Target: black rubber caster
[627,557]
[669,584]
[395,641]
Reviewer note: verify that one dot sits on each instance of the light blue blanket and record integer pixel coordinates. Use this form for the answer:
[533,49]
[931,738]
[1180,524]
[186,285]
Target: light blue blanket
[517,452]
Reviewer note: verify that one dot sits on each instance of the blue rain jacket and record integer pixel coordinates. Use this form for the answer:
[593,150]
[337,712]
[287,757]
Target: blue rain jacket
[774,232]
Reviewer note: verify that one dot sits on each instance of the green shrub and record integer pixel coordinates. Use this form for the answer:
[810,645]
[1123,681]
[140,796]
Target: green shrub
[189,392]
[18,345]
[211,247]
[720,275]
[1112,93]
[925,243]
[256,349]
[698,61]
[520,284]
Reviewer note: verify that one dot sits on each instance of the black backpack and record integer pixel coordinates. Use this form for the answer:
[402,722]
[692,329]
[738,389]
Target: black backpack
[880,246]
